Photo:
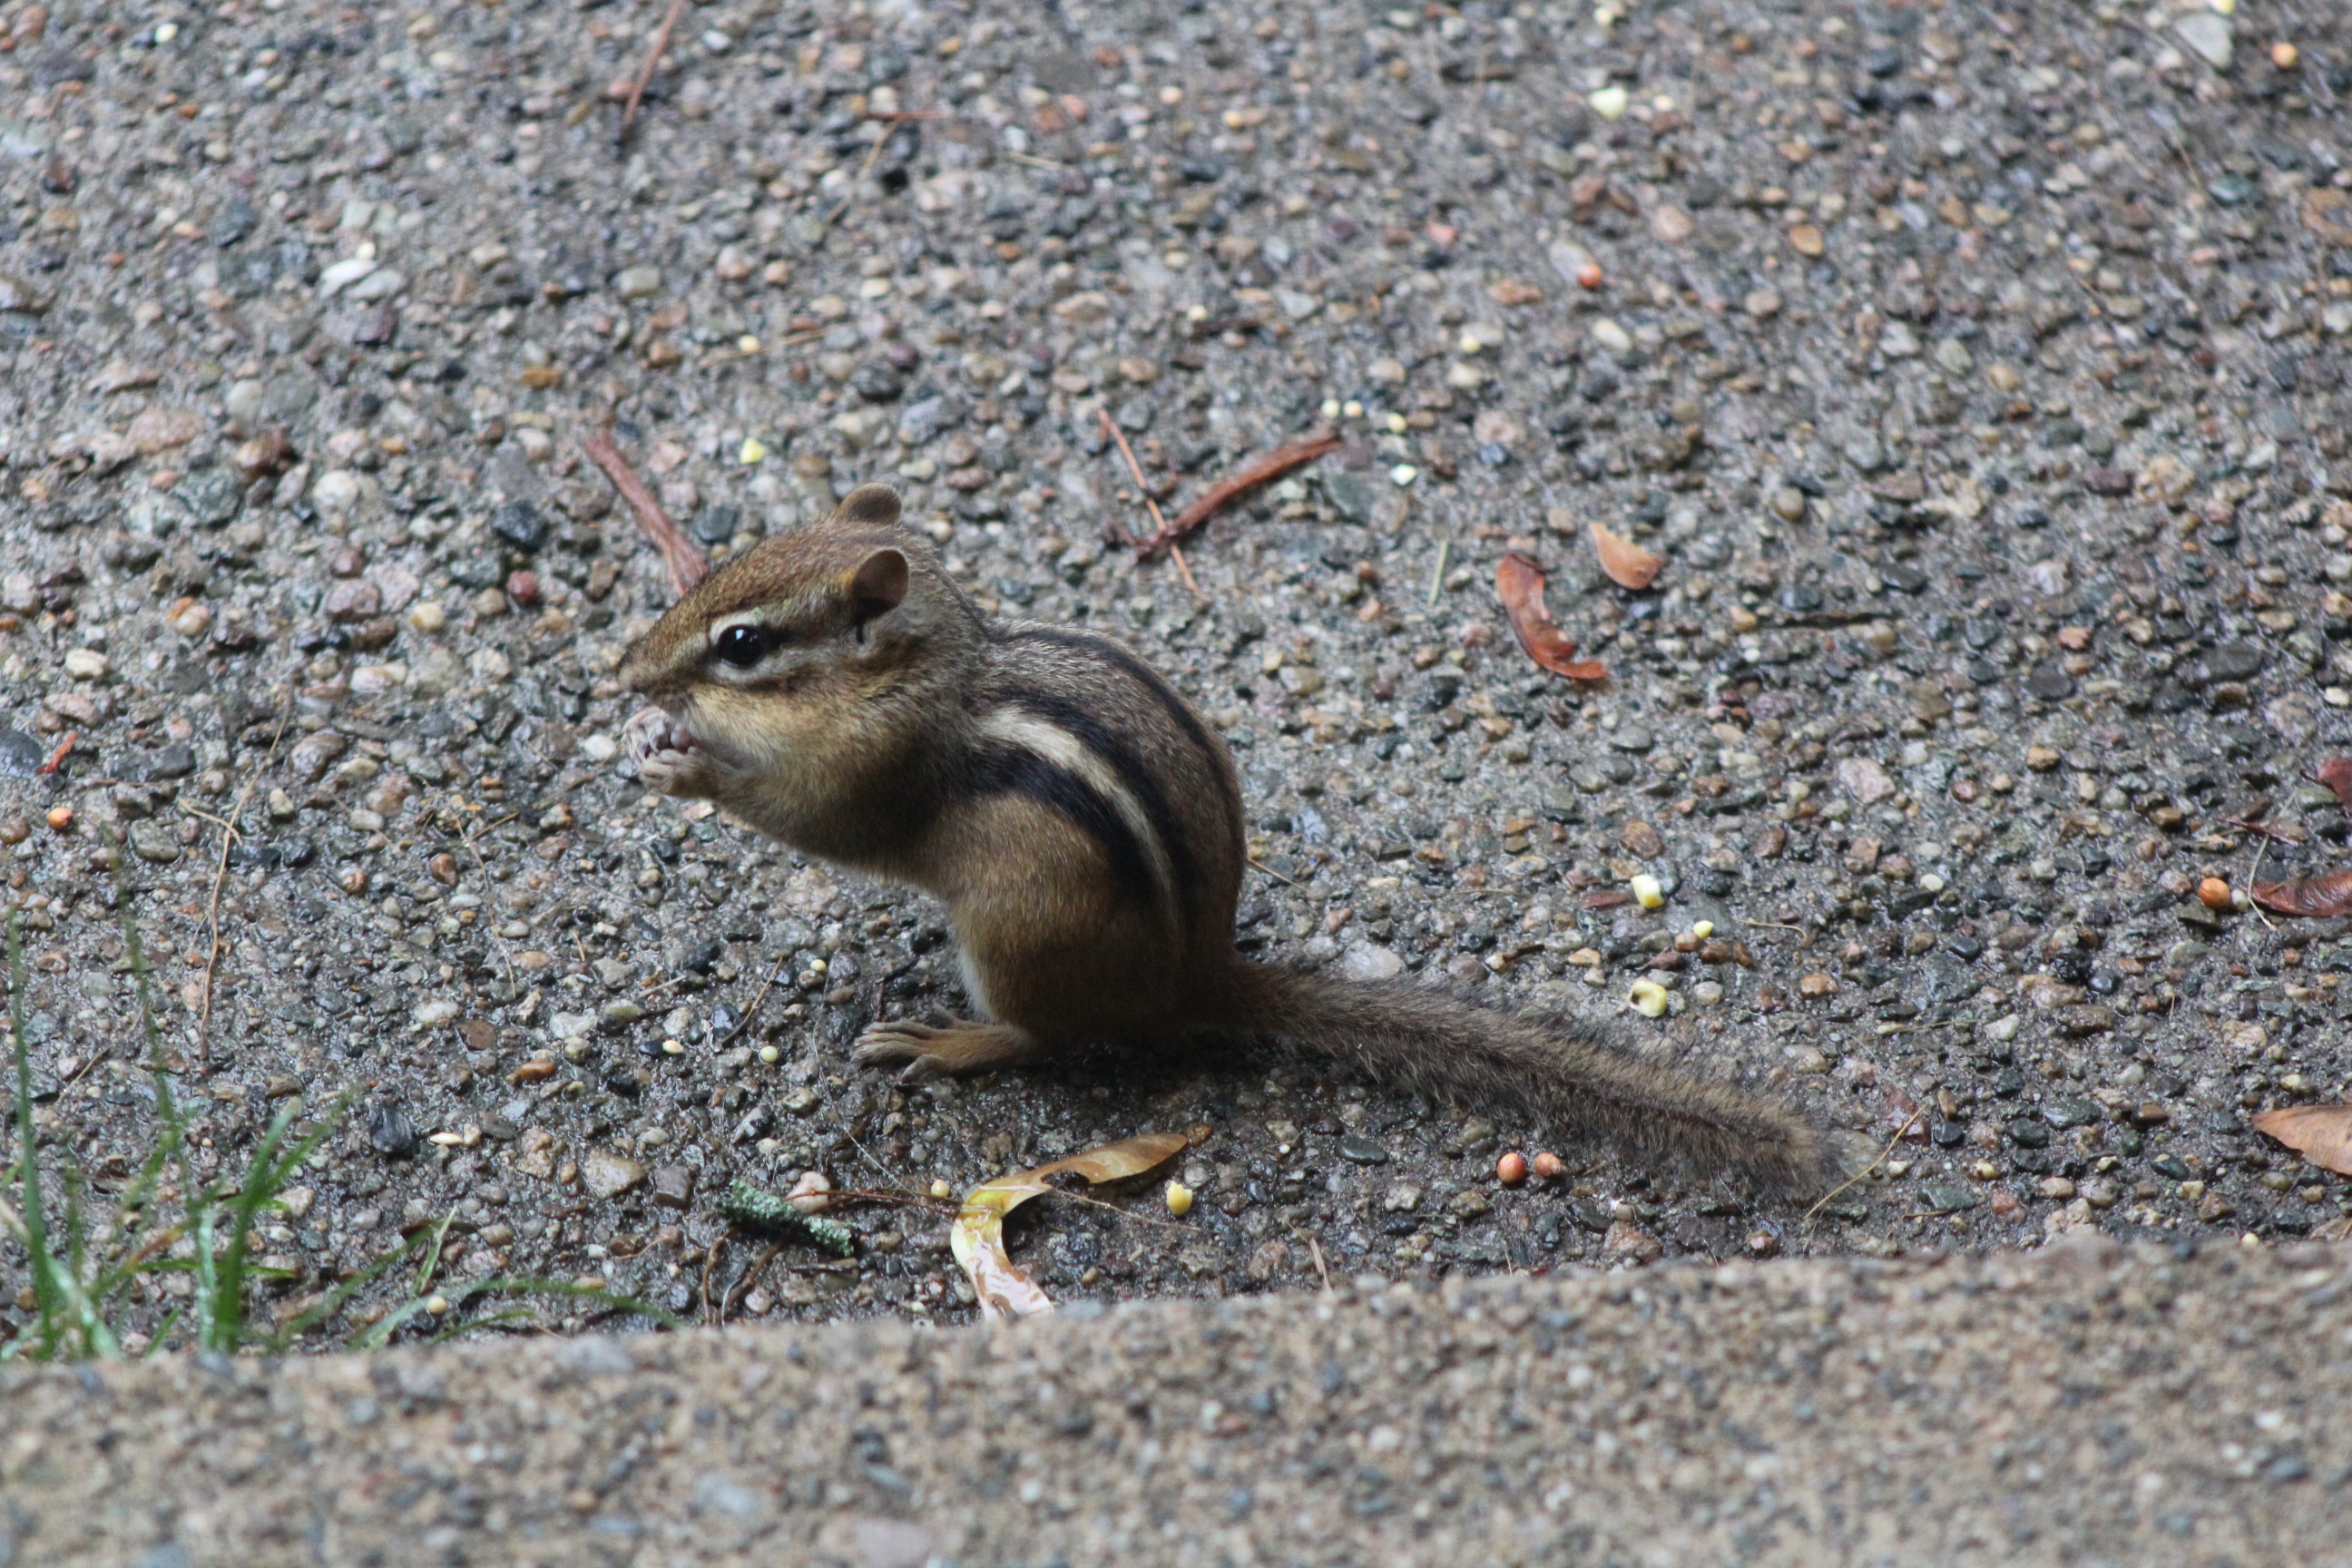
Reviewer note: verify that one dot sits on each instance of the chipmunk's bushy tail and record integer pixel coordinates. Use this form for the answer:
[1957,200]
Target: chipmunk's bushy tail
[1563,1073]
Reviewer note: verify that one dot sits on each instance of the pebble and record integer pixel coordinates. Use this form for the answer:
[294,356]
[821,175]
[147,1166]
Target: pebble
[2210,36]
[1863,781]
[1630,1240]
[1818,985]
[153,843]
[390,1132]
[605,1174]
[1369,962]
[673,1186]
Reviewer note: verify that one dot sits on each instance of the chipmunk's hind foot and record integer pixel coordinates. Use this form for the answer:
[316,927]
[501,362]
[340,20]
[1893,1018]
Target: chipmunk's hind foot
[949,1047]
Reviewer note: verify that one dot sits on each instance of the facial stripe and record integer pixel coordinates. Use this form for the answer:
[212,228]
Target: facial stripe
[1031,759]
[1164,694]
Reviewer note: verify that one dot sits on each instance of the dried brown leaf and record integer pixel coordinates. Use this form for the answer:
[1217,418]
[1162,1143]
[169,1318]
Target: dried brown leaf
[2315,897]
[1519,584]
[978,1238]
[1628,564]
[2320,1134]
[2336,773]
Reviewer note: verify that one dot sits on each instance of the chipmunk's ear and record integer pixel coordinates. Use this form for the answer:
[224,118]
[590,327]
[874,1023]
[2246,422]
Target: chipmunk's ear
[875,506]
[879,582]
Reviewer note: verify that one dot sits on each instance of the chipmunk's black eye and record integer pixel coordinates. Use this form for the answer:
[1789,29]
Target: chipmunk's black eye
[744,646]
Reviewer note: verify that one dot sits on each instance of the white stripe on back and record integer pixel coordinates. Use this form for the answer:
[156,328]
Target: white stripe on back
[1044,738]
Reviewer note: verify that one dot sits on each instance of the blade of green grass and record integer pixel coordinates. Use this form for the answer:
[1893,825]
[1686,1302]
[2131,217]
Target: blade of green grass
[32,1222]
[511,1315]
[432,1264]
[380,1333]
[336,1297]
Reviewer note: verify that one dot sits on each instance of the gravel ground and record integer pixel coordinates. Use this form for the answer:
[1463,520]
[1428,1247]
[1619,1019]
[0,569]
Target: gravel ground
[1977,374]
[2074,1405]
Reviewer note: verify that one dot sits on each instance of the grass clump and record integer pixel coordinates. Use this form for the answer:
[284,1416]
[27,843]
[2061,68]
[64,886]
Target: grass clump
[85,1272]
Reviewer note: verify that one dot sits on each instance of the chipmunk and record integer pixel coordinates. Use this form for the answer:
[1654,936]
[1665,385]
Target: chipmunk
[832,688]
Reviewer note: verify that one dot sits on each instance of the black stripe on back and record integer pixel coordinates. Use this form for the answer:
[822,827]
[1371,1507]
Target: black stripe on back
[1014,770]
[1152,681]
[1112,747]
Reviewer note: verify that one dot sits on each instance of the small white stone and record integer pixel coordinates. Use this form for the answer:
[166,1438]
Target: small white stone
[343,274]
[1369,961]
[86,664]
[1611,336]
[336,490]
[433,1014]
[382,283]
[2210,36]
[599,748]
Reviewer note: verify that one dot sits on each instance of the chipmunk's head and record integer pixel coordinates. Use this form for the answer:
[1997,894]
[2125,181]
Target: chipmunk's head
[797,665]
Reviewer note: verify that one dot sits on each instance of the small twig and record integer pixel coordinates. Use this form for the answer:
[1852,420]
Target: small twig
[1160,524]
[873,156]
[714,1313]
[59,756]
[753,1010]
[1262,471]
[1771,925]
[506,950]
[684,563]
[1909,1123]
[2264,829]
[229,835]
[2252,873]
[735,1293]
[1437,574]
[1184,570]
[895,115]
[1316,1247]
[1261,866]
[653,59]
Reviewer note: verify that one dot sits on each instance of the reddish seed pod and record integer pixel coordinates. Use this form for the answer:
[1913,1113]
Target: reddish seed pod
[1511,1169]
[1549,1167]
[2213,893]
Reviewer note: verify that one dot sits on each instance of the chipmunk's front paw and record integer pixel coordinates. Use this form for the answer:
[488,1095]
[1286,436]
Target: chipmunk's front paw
[669,759]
